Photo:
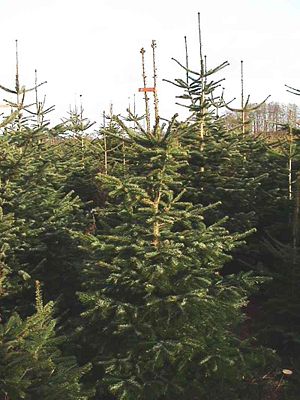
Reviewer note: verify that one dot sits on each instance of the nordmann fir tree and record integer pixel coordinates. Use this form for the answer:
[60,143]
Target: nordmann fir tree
[32,365]
[278,323]
[34,174]
[84,154]
[33,210]
[89,153]
[160,320]
[228,166]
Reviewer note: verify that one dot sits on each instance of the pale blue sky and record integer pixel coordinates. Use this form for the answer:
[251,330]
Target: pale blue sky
[92,47]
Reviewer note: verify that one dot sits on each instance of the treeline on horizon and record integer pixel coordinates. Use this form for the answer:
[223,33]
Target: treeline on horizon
[153,260]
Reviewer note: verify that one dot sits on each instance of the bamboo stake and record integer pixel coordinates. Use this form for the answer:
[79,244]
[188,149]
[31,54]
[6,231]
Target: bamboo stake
[134,105]
[245,108]
[37,104]
[17,74]
[111,113]
[202,98]
[105,143]
[290,161]
[200,45]
[81,128]
[155,96]
[186,60]
[146,96]
[18,88]
[296,217]
[156,230]
[134,111]
[295,233]
[242,98]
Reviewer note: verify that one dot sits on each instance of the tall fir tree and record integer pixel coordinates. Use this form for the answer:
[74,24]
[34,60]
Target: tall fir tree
[229,166]
[160,320]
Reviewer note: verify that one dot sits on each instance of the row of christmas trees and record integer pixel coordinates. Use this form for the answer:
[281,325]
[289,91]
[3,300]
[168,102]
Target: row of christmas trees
[145,239]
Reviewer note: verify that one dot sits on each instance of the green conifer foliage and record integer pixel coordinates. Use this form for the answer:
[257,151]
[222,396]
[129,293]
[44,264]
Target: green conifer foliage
[255,182]
[277,322]
[31,363]
[33,190]
[83,152]
[242,172]
[88,154]
[160,320]
[236,169]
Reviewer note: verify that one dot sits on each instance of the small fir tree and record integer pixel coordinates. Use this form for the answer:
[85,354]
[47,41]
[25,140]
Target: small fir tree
[31,363]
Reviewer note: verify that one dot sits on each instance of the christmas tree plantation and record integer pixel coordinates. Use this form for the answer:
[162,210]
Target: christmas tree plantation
[143,239]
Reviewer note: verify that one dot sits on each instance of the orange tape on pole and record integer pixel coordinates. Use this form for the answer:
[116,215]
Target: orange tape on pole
[150,89]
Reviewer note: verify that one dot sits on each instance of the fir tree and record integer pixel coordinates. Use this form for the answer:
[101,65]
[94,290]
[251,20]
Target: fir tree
[34,189]
[277,322]
[226,165]
[31,363]
[160,320]
[241,172]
